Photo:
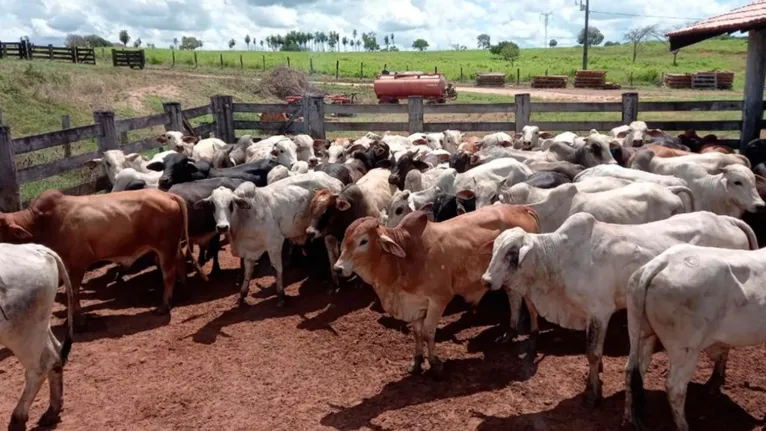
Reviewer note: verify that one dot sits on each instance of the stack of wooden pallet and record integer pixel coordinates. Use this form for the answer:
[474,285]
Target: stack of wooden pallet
[490,79]
[557,81]
[677,80]
[724,80]
[705,81]
[590,79]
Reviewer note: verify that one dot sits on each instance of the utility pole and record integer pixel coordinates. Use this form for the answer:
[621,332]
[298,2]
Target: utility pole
[546,15]
[585,7]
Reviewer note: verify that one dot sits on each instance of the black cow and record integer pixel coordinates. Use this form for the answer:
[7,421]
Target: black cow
[177,169]
[233,154]
[548,179]
[448,205]
[362,161]
[755,151]
[403,166]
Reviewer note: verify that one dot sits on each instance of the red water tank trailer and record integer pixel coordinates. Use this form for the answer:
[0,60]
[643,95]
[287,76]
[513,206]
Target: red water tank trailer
[431,86]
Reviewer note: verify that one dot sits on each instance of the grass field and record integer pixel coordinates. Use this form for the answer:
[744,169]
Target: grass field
[654,59]
[34,95]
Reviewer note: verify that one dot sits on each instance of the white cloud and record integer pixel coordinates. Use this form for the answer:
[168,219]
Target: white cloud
[441,22]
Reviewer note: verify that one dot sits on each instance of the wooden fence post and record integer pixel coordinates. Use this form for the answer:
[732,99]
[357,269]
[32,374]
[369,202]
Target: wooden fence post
[221,60]
[108,140]
[313,116]
[1,117]
[518,76]
[264,61]
[311,66]
[173,53]
[415,112]
[629,107]
[65,124]
[195,59]
[288,61]
[175,118]
[10,198]
[224,118]
[523,111]
[361,70]
[241,62]
[50,52]
[337,69]
[461,73]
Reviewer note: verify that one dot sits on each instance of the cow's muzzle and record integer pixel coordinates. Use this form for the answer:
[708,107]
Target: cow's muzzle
[222,228]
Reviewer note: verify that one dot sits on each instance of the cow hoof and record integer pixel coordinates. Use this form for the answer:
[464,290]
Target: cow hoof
[592,399]
[49,418]
[241,302]
[417,365]
[162,310]
[437,369]
[17,424]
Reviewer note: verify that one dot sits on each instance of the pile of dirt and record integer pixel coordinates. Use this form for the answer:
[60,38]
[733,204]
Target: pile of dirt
[284,81]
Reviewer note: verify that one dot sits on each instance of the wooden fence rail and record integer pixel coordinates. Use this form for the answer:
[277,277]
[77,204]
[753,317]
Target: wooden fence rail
[309,116]
[26,50]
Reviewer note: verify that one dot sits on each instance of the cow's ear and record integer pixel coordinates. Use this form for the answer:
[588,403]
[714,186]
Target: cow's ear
[429,208]
[460,210]
[475,159]
[525,249]
[420,165]
[546,135]
[385,164]
[342,204]
[486,249]
[93,164]
[19,233]
[132,157]
[156,166]
[162,139]
[201,204]
[654,132]
[517,136]
[622,134]
[190,139]
[390,246]
[192,167]
[242,203]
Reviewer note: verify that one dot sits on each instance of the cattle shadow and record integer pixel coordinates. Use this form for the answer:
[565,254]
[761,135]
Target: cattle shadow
[703,411]
[5,353]
[463,377]
[346,301]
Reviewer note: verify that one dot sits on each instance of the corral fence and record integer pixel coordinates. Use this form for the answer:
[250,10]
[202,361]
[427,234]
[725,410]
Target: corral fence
[132,58]
[314,117]
[26,50]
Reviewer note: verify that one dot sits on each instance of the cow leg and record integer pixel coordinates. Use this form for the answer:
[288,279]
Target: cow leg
[331,244]
[34,351]
[275,256]
[431,322]
[212,249]
[75,276]
[169,265]
[717,379]
[56,381]
[417,359]
[247,265]
[683,361]
[645,347]
[595,335]
[534,329]
[514,301]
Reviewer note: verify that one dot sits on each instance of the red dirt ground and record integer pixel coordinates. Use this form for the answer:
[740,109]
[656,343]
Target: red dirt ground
[338,362]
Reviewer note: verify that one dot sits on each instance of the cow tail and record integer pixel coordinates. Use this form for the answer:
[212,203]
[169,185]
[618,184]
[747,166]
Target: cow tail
[752,240]
[66,346]
[689,203]
[638,286]
[182,204]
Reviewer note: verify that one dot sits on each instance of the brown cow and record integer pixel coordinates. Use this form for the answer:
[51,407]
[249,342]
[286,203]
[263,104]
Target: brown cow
[118,227]
[417,267]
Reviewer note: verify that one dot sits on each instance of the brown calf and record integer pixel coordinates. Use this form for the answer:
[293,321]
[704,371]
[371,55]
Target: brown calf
[118,227]
[417,267]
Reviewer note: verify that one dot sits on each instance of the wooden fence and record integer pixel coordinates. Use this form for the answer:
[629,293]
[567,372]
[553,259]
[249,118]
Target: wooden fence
[27,51]
[134,59]
[309,117]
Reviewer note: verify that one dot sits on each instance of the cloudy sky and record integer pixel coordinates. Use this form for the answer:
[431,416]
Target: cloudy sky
[441,22]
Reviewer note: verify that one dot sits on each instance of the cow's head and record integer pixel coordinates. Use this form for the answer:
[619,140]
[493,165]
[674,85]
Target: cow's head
[176,141]
[285,152]
[114,161]
[403,166]
[11,232]
[176,169]
[447,206]
[323,208]
[509,251]
[367,245]
[224,202]
[739,182]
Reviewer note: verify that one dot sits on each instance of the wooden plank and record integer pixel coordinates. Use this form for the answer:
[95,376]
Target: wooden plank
[141,122]
[52,139]
[89,188]
[523,111]
[10,199]
[204,129]
[385,108]
[296,127]
[269,108]
[629,107]
[224,118]
[313,114]
[175,120]
[66,124]
[365,126]
[577,126]
[718,105]
[469,108]
[142,145]
[755,73]
[415,114]
[197,112]
[577,107]
[696,125]
[108,139]
[498,126]
[58,167]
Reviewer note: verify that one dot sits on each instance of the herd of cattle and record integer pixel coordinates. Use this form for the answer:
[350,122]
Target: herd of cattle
[575,227]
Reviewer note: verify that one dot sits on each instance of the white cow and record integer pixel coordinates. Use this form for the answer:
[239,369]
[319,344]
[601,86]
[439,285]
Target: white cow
[634,175]
[404,202]
[131,179]
[261,150]
[713,163]
[114,161]
[376,188]
[260,219]
[279,172]
[304,147]
[29,278]
[416,181]
[499,139]
[398,145]
[199,150]
[486,180]
[577,276]
[529,138]
[693,299]
[452,140]
[631,204]
[525,193]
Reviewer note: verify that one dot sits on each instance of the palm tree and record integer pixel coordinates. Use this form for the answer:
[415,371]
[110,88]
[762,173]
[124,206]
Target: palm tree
[358,44]
[385,40]
[392,39]
[354,34]
[261,43]
[175,42]
[345,42]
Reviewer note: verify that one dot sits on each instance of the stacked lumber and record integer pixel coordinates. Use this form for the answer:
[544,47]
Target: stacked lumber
[554,81]
[678,80]
[724,80]
[590,79]
[704,81]
[611,86]
[490,79]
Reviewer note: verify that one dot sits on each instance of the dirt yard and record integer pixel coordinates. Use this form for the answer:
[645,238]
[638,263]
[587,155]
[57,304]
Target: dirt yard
[338,362]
